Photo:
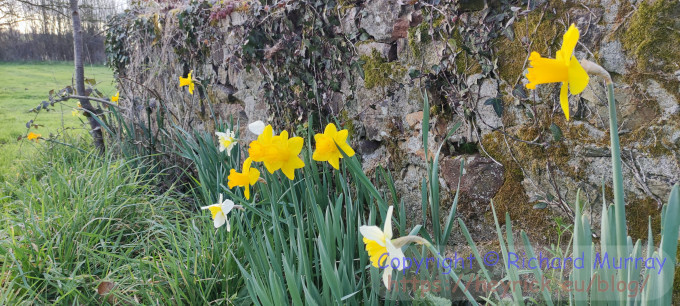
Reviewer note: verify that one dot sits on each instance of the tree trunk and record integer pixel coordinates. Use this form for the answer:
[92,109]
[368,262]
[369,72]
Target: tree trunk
[95,127]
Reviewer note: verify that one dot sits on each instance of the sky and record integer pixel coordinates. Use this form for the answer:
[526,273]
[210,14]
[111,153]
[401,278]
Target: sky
[24,23]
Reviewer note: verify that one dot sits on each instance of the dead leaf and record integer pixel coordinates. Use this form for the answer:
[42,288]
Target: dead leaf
[104,288]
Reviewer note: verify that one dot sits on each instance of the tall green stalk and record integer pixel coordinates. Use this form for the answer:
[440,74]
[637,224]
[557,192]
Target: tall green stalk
[617,176]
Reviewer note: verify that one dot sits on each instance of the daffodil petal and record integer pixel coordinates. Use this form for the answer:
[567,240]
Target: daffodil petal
[387,276]
[219,220]
[254,175]
[569,41]
[341,136]
[397,253]
[289,172]
[564,100]
[346,148]
[387,228]
[578,77]
[227,206]
[335,162]
[330,130]
[373,233]
[246,164]
[256,127]
[295,145]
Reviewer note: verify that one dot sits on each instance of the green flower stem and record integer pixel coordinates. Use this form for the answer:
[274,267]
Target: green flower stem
[454,276]
[619,205]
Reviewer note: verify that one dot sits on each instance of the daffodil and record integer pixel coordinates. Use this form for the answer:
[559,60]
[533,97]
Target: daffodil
[564,68]
[115,98]
[33,136]
[329,144]
[227,140]
[188,81]
[256,127]
[277,152]
[220,210]
[246,178]
[75,112]
[385,251]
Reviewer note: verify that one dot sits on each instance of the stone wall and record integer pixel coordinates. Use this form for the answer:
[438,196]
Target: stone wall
[369,64]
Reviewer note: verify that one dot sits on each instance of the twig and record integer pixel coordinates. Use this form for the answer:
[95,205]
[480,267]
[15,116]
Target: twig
[107,102]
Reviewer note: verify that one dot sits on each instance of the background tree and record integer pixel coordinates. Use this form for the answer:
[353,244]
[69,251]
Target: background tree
[39,30]
[91,113]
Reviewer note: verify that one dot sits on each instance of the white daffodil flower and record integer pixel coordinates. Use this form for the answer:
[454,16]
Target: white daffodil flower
[220,211]
[227,140]
[256,127]
[382,248]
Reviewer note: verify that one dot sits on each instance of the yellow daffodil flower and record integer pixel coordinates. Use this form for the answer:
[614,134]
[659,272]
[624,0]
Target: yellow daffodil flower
[327,145]
[115,98]
[245,179]
[75,112]
[220,210]
[382,249]
[227,140]
[79,105]
[188,81]
[33,136]
[277,152]
[564,68]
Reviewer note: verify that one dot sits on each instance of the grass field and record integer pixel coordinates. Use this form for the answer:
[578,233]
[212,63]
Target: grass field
[23,87]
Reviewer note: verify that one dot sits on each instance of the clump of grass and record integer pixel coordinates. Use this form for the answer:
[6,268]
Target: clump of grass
[76,223]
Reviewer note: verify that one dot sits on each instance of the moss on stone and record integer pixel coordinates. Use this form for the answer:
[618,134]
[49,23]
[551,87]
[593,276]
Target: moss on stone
[650,35]
[652,38]
[379,72]
[417,37]
[638,212]
[347,122]
[545,40]
[511,197]
[345,5]
[650,140]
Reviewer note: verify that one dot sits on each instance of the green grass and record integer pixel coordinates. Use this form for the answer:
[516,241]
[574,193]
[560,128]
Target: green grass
[23,87]
[75,221]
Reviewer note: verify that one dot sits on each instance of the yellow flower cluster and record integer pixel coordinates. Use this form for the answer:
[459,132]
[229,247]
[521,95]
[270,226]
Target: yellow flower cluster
[279,152]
